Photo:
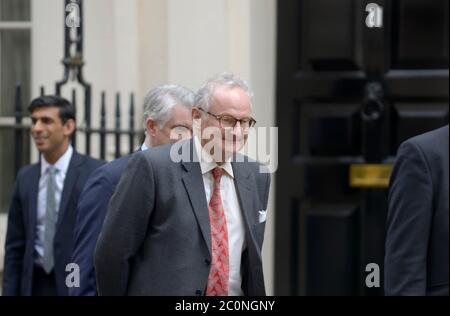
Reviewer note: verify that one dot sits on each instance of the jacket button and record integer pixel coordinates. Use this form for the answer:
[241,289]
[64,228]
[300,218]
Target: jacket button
[198,292]
[207,261]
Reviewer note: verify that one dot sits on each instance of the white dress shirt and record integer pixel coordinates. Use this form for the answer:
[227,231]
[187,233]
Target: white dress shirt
[233,214]
[61,166]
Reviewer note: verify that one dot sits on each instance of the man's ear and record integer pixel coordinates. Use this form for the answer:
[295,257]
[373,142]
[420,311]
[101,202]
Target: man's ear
[69,127]
[150,124]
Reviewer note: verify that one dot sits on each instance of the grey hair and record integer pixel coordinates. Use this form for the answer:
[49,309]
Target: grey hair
[206,92]
[159,102]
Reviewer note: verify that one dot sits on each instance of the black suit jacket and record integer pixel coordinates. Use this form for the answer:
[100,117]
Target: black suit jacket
[417,241]
[21,231]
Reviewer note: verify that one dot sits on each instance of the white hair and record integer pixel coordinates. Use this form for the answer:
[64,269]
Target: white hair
[206,92]
[159,102]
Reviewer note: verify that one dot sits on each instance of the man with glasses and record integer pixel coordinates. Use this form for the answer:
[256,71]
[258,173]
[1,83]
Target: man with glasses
[193,227]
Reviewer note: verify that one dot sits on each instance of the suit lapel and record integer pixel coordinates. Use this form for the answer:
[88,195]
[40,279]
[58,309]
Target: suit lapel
[193,183]
[193,180]
[69,184]
[244,184]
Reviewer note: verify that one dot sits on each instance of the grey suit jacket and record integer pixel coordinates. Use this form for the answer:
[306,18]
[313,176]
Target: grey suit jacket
[156,236]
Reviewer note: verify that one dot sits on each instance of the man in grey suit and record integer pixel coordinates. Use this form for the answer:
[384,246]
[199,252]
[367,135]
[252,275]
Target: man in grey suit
[193,226]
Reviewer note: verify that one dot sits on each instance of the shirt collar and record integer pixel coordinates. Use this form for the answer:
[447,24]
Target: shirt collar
[144,147]
[208,164]
[61,165]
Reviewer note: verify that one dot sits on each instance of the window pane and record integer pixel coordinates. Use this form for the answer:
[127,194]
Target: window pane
[14,67]
[14,10]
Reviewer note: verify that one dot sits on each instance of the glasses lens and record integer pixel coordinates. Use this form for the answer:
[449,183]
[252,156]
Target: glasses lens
[228,121]
[247,123]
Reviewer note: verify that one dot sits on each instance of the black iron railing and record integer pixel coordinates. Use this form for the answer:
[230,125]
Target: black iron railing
[122,135]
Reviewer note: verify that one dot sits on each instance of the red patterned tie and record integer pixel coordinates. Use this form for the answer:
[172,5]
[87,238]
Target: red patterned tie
[220,266]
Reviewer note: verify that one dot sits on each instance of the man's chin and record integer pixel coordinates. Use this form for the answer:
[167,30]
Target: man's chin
[221,152]
[41,148]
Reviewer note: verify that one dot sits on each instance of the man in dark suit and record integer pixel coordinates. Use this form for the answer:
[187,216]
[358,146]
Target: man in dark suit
[195,226]
[416,259]
[41,217]
[167,110]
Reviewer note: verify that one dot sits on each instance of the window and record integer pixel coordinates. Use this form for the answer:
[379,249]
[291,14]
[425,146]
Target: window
[15,67]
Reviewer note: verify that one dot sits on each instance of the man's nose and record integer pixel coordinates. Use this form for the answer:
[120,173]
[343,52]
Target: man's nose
[237,129]
[36,127]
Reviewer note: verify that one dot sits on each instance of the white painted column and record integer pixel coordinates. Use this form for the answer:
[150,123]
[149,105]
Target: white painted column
[153,45]
[197,40]
[47,47]
[263,79]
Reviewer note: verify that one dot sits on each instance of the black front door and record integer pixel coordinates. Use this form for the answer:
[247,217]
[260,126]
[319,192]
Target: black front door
[353,82]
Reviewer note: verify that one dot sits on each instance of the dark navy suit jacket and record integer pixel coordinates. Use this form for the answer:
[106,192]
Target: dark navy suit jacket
[92,207]
[21,232]
[417,241]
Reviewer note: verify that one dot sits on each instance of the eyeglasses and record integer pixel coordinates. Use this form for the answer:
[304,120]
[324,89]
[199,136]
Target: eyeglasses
[228,121]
